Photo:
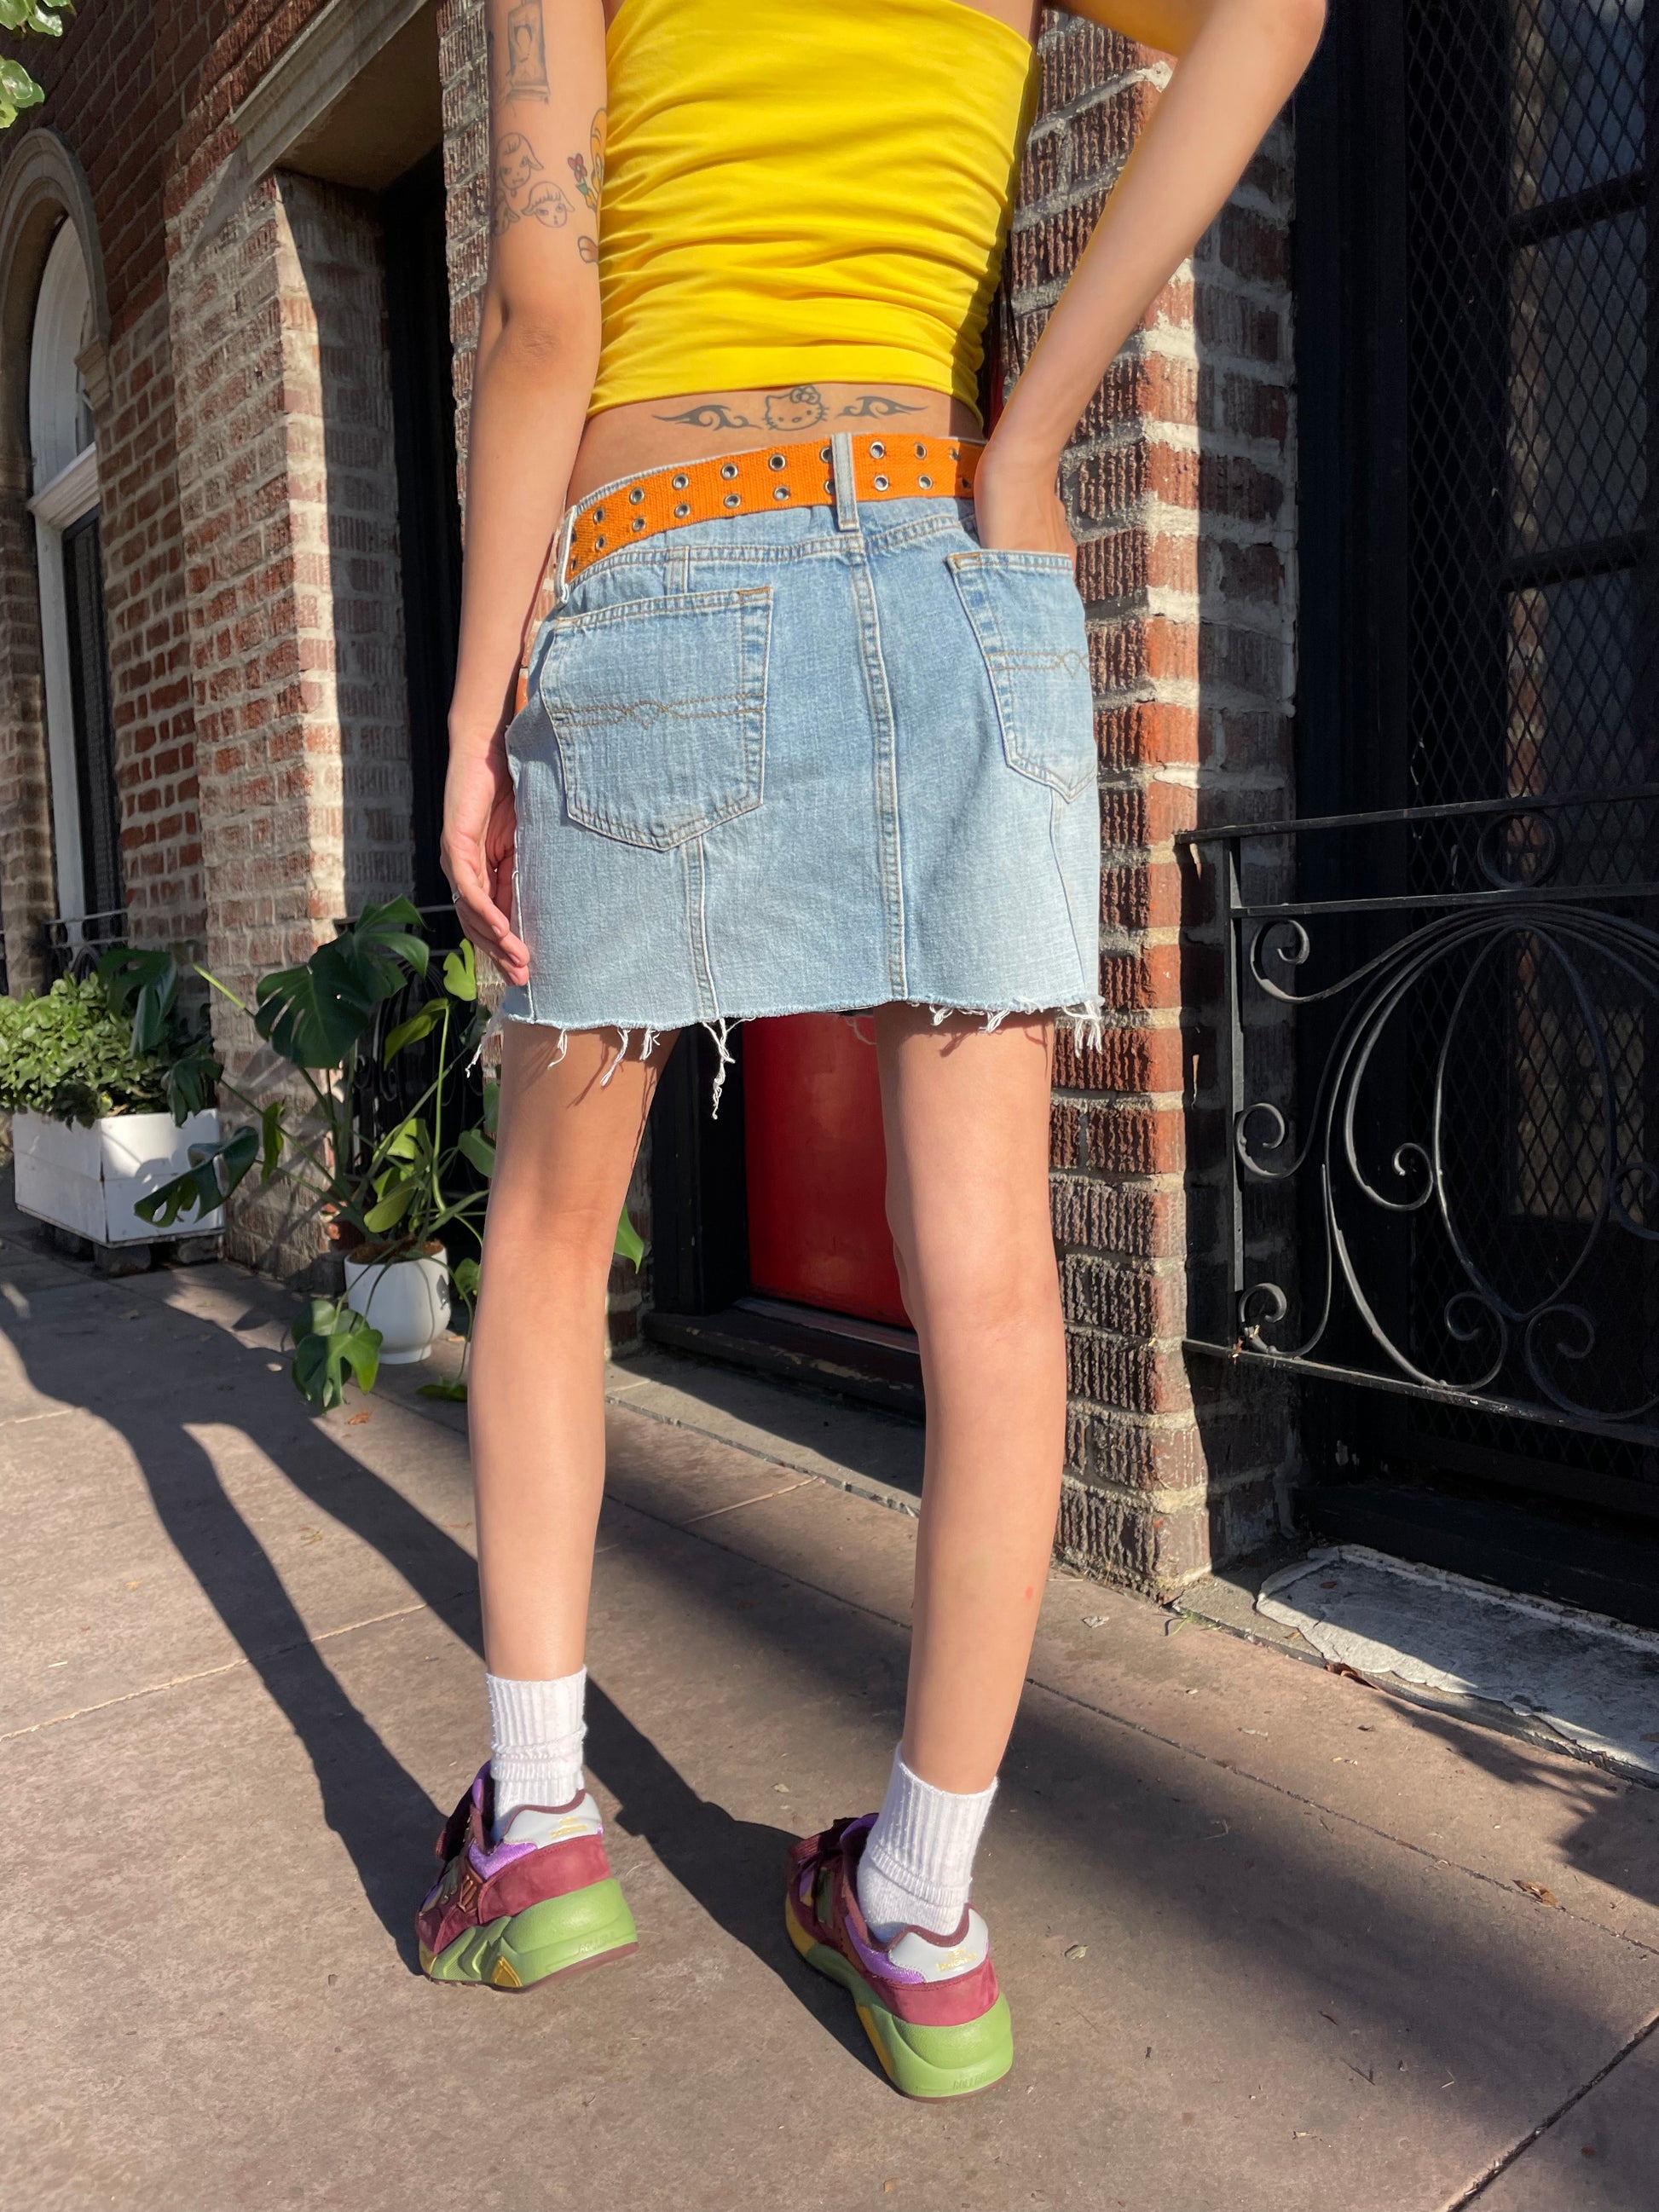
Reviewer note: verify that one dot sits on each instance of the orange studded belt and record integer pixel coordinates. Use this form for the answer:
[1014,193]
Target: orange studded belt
[759,481]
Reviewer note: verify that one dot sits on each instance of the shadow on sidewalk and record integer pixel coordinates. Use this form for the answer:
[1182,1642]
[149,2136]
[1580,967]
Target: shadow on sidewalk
[1272,1910]
[386,1821]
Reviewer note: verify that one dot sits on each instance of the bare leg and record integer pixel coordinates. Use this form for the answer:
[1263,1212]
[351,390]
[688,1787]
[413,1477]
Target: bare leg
[536,1408]
[966,1114]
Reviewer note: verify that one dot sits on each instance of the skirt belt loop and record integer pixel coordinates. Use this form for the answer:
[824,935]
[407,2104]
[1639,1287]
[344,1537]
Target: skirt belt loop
[847,497]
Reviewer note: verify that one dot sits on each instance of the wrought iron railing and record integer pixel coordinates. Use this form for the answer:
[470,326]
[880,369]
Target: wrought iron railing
[1442,1106]
[74,943]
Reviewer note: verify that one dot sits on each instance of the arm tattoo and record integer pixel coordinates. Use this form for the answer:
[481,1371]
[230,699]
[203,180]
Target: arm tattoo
[802,407]
[526,51]
[589,170]
[521,188]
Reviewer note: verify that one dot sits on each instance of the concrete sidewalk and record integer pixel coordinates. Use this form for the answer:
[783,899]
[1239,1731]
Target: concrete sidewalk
[1273,1944]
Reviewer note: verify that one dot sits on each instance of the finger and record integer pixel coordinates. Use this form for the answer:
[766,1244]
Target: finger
[487,925]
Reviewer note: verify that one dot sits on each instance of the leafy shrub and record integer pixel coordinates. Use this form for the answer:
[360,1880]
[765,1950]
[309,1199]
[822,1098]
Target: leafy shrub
[68,1054]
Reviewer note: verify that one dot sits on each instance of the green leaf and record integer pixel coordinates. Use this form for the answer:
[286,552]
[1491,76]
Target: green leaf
[453,1393]
[28,15]
[492,1106]
[329,1338]
[143,983]
[18,90]
[200,1189]
[272,1136]
[629,1244]
[410,1140]
[388,941]
[391,1208]
[193,1078]
[464,1276]
[314,1015]
[473,1145]
[461,972]
[418,1025]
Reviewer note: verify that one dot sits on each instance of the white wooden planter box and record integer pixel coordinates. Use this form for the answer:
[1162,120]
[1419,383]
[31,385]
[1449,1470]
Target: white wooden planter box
[88,1180]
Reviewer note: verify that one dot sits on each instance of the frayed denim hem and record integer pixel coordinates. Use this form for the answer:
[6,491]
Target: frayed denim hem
[1086,1018]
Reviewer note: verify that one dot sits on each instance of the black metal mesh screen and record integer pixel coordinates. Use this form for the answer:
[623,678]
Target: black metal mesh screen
[1528,406]
[1529,666]
[1481,1189]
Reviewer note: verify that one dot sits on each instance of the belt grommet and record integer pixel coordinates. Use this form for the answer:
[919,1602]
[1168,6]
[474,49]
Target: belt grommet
[881,484]
[598,514]
[823,453]
[776,461]
[682,510]
[829,483]
[878,450]
[728,468]
[637,495]
[733,499]
[680,483]
[926,482]
[922,451]
[639,522]
[779,491]
[599,542]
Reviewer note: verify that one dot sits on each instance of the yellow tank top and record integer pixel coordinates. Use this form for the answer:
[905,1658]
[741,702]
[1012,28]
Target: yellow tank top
[805,190]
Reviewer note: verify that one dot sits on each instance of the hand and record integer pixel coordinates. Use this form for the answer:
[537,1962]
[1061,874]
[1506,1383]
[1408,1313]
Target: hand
[479,824]
[1017,507]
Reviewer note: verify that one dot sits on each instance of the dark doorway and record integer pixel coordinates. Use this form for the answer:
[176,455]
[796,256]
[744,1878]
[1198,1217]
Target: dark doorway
[1476,352]
[103,893]
[428,506]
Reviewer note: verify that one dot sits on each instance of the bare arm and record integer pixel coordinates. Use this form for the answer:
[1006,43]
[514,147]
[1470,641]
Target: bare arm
[1238,62]
[539,346]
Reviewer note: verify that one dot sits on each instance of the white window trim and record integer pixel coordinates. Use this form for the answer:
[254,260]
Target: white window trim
[72,493]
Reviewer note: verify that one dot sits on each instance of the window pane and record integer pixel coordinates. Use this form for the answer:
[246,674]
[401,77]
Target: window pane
[1578,411]
[1576,96]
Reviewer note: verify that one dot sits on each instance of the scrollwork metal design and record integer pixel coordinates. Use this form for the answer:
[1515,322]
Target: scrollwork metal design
[1514,1336]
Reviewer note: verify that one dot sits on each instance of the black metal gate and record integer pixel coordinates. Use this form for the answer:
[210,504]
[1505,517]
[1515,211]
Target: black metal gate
[1447,1217]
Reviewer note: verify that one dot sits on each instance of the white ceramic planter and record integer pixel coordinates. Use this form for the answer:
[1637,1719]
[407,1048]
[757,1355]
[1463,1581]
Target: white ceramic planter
[88,1180]
[407,1300]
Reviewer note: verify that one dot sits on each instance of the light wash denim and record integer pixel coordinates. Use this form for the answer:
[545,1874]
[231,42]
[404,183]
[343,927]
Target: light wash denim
[808,761]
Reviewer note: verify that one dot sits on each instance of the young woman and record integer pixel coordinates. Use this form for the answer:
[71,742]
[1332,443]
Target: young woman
[809,729]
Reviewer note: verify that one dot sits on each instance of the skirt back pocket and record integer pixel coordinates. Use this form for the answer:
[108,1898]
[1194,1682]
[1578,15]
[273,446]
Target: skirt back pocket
[1027,616]
[658,707]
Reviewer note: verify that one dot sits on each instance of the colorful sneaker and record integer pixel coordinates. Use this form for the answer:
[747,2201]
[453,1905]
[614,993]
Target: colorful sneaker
[929,2004]
[542,1901]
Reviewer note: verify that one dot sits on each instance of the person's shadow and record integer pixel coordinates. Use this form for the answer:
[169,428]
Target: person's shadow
[386,1821]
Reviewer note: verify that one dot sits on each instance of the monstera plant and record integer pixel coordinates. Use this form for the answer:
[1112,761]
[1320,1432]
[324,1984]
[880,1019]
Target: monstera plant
[397,1203]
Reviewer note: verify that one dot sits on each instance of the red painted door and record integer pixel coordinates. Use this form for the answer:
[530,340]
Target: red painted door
[816,1167]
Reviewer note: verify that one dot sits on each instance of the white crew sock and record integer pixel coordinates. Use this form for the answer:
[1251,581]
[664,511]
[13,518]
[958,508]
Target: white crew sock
[918,1862]
[536,1732]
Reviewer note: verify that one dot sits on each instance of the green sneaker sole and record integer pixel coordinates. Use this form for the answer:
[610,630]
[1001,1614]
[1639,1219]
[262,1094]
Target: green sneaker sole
[919,2061]
[560,1935]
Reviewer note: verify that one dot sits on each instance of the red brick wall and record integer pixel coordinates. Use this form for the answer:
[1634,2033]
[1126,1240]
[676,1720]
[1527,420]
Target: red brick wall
[26,857]
[288,507]
[149,634]
[1179,486]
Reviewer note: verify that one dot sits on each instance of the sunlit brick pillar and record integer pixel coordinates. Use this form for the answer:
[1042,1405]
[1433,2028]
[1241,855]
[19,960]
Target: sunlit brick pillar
[151,702]
[289,502]
[27,877]
[1179,488]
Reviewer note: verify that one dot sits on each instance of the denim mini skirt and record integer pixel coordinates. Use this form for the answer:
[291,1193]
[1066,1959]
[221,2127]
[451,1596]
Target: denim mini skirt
[808,761]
